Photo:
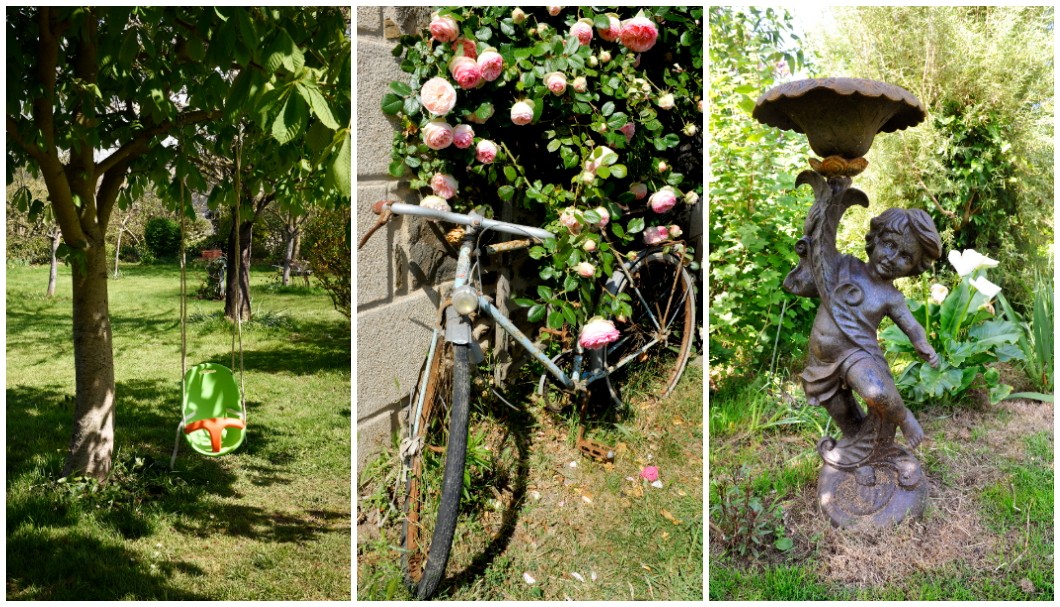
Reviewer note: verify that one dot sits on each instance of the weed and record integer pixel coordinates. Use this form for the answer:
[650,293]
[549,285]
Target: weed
[742,522]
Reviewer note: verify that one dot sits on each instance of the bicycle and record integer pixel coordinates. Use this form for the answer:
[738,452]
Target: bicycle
[661,295]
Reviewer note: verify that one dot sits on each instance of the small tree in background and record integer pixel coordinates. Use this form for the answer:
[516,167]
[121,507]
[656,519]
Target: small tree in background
[327,246]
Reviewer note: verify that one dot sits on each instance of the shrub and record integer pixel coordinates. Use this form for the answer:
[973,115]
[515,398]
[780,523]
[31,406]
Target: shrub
[162,237]
[547,115]
[326,243]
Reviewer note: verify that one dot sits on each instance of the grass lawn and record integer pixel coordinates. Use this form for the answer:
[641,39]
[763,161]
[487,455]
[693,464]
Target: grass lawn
[268,522]
[987,532]
[579,529]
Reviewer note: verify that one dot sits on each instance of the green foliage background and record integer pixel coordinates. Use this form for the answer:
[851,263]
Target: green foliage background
[755,214]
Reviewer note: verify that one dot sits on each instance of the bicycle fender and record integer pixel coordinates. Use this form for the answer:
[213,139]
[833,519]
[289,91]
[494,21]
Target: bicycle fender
[457,328]
[458,331]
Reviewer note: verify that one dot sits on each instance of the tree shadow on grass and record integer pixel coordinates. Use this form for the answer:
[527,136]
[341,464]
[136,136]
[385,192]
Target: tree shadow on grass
[65,540]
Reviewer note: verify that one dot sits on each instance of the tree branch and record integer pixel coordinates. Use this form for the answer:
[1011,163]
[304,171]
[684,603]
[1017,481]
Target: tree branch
[31,148]
[139,144]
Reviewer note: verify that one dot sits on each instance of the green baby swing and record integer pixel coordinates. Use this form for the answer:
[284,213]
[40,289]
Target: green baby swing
[213,409]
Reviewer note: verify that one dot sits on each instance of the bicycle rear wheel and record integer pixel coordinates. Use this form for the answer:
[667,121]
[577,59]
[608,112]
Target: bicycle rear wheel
[658,335]
[432,504]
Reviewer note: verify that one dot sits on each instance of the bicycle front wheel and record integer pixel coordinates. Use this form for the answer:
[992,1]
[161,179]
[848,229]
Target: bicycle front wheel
[432,497]
[657,337]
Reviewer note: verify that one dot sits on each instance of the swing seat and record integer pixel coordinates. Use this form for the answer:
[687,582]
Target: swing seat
[213,418]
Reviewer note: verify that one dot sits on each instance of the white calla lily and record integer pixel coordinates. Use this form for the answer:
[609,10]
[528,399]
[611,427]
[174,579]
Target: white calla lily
[939,293]
[969,261]
[984,286]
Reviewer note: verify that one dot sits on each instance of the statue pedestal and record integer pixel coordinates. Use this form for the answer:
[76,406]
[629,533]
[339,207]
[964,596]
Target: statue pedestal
[880,492]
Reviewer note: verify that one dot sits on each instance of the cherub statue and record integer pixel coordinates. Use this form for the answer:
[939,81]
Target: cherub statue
[844,354]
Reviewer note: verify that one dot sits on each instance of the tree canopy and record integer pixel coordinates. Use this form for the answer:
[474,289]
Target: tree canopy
[94,93]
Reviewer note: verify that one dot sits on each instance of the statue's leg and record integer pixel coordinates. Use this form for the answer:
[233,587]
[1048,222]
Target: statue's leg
[844,409]
[875,384]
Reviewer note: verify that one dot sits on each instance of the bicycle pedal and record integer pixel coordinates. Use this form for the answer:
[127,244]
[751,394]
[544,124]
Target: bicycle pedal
[596,450]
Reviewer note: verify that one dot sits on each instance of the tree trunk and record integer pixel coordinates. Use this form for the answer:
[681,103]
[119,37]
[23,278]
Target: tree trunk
[117,252]
[288,256]
[237,293]
[92,443]
[53,274]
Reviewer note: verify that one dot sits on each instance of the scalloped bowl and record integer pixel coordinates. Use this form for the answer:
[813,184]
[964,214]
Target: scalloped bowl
[840,116]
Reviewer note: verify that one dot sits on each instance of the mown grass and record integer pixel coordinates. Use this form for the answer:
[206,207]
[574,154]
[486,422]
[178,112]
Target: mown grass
[268,522]
[589,532]
[760,434]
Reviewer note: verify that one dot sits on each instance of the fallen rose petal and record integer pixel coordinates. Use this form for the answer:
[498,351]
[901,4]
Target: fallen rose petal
[587,499]
[577,576]
[529,578]
[657,484]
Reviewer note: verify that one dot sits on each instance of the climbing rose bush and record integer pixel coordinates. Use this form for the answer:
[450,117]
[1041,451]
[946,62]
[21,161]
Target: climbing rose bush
[585,121]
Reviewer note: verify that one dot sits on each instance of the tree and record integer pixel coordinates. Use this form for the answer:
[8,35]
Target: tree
[117,81]
[982,162]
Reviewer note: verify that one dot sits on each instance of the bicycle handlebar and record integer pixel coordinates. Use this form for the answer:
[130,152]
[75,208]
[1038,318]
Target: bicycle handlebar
[471,219]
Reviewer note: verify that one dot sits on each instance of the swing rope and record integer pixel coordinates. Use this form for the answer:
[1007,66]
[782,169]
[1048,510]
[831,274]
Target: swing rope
[239,280]
[184,302]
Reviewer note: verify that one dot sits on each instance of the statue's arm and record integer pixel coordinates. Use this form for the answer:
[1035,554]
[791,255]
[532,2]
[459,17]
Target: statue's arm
[832,197]
[902,317]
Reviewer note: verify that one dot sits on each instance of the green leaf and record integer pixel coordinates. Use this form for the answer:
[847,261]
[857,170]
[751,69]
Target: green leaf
[524,302]
[291,120]
[635,225]
[544,292]
[536,252]
[396,168]
[607,109]
[555,320]
[505,192]
[392,103]
[340,170]
[536,313]
[783,544]
[619,171]
[318,105]
[509,173]
[400,88]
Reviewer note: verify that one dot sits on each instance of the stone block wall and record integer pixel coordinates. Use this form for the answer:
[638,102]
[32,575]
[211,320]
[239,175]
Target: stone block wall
[395,312]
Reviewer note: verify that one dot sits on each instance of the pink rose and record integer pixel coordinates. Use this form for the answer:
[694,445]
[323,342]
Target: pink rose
[468,46]
[585,269]
[444,29]
[655,234]
[666,101]
[444,185]
[579,84]
[490,64]
[589,245]
[438,135]
[674,231]
[628,129]
[663,200]
[518,16]
[605,217]
[435,202]
[569,219]
[638,34]
[486,151]
[466,72]
[556,82]
[605,56]
[662,166]
[650,474]
[582,31]
[522,113]
[438,96]
[554,10]
[639,190]
[597,333]
[612,31]
[463,136]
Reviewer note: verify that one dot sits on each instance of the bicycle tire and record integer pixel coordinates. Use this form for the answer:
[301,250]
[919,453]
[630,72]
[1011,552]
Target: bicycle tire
[656,282]
[425,564]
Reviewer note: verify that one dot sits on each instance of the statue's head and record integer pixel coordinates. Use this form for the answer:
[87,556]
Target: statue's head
[910,242]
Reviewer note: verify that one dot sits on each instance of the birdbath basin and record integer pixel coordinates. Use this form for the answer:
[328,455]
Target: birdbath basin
[840,116]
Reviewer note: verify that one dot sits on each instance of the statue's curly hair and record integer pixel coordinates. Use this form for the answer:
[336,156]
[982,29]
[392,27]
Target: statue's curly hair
[916,221]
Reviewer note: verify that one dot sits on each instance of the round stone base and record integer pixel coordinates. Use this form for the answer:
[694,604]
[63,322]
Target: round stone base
[879,495]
